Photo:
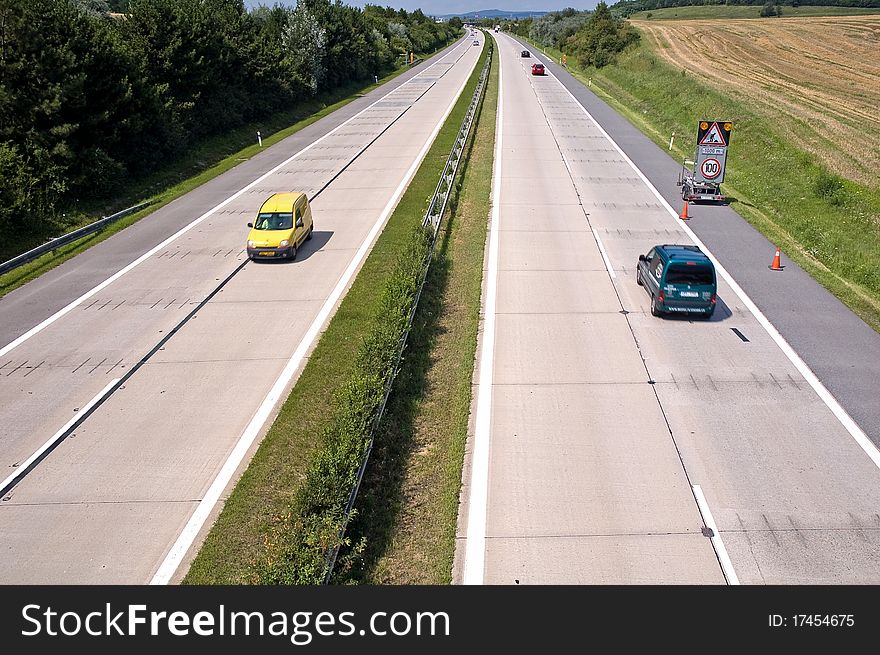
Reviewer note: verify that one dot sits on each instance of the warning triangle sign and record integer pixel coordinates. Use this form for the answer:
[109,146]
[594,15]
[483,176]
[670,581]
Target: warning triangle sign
[713,137]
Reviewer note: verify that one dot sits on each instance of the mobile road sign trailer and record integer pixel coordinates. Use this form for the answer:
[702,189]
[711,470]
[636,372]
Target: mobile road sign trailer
[700,178]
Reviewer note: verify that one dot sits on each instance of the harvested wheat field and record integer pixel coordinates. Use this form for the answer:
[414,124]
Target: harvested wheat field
[817,79]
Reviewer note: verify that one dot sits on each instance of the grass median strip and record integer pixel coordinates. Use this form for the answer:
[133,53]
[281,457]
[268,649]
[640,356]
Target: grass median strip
[260,524]
[227,151]
[827,224]
[408,503]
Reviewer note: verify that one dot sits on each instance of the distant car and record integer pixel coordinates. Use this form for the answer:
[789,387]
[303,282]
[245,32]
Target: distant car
[537,69]
[525,53]
[476,42]
[680,279]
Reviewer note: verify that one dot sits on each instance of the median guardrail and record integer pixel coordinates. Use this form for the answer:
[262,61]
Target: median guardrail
[58,242]
[432,220]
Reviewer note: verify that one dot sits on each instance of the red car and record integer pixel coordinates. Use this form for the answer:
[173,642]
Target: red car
[537,69]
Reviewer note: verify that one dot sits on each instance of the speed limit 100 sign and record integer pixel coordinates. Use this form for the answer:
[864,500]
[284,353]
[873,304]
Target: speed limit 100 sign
[710,168]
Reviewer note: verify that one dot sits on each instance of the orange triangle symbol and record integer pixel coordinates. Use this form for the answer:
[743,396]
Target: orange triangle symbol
[713,137]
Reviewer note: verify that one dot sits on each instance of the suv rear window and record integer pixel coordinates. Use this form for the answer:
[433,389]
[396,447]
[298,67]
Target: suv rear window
[689,275]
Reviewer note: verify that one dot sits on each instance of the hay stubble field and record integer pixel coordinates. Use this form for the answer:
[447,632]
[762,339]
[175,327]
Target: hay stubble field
[816,80]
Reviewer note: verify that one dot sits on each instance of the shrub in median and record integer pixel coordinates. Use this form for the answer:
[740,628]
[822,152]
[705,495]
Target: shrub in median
[299,541]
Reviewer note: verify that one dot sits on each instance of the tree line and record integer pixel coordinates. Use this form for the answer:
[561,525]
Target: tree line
[593,38]
[97,93]
[629,7]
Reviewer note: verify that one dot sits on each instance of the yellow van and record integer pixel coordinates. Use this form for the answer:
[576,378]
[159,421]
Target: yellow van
[283,223]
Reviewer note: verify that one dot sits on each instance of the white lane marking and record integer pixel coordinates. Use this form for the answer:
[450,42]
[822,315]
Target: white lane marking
[604,254]
[570,170]
[55,437]
[478,499]
[61,312]
[723,557]
[186,538]
[830,401]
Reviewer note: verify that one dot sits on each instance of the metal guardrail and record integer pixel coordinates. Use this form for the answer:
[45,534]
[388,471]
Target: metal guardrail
[433,218]
[57,242]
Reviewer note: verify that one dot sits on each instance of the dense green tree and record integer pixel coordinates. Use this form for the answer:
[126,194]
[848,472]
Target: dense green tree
[69,106]
[304,43]
[88,102]
[601,38]
[191,52]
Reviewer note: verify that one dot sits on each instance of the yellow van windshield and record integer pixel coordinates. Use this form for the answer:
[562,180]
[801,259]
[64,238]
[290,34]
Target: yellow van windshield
[274,221]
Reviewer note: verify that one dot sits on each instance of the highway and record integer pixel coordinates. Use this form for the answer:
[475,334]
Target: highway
[607,446]
[612,447]
[178,350]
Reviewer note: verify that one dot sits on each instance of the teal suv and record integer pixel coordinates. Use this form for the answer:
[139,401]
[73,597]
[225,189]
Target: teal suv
[679,279]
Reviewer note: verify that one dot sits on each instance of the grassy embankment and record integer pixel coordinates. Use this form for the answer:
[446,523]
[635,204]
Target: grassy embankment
[200,165]
[791,171]
[408,503]
[236,542]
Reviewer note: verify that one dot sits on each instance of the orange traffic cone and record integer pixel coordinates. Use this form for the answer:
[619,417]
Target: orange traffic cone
[776,265]
[684,212]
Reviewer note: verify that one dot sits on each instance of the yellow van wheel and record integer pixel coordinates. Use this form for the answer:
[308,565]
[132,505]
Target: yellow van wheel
[309,235]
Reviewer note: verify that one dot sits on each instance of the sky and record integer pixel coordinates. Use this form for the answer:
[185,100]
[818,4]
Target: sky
[440,7]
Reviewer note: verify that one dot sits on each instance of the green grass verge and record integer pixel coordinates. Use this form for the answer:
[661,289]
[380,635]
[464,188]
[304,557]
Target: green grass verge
[208,160]
[829,226]
[407,507]
[752,11]
[236,543]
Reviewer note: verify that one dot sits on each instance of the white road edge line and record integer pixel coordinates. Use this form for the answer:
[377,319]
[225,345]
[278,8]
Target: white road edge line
[723,557]
[604,254]
[186,538]
[830,401]
[55,437]
[478,498]
[61,312]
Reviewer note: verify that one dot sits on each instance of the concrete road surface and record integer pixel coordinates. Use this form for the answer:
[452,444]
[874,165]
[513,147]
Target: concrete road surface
[203,345]
[610,446]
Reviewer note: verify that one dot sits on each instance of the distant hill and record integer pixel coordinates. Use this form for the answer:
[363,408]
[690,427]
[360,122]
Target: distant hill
[493,13]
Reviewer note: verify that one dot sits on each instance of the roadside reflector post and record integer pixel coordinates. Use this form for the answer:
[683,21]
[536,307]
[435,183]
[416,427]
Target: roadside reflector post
[671,139]
[259,138]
